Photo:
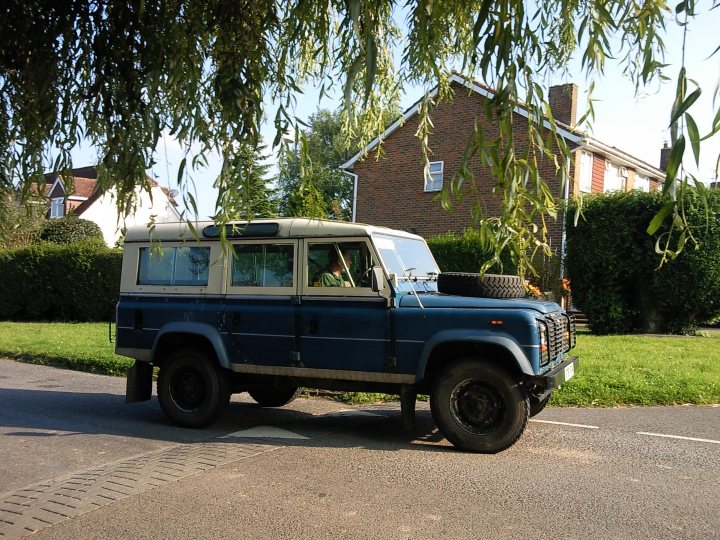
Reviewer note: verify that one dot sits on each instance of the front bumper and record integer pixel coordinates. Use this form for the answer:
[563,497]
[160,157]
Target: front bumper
[561,373]
[556,377]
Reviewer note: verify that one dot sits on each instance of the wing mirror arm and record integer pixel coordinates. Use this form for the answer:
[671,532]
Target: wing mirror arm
[377,280]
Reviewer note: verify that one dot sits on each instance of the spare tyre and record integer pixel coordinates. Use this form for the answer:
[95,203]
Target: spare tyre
[487,286]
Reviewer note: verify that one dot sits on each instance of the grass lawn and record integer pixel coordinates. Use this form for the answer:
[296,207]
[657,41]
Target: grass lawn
[81,346]
[614,370]
[643,370]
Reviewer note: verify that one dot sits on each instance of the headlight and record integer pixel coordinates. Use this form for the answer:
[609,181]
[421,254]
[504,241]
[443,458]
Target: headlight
[544,347]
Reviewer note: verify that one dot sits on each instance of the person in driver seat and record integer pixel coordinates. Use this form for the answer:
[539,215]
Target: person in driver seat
[333,276]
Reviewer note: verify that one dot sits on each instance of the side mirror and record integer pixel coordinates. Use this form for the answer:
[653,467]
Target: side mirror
[377,279]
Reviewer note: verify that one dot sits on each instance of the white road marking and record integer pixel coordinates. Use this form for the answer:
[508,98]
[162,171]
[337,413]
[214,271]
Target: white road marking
[678,437]
[564,424]
[265,432]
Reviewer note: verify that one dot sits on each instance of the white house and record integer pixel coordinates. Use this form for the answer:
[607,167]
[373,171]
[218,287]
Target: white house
[86,201]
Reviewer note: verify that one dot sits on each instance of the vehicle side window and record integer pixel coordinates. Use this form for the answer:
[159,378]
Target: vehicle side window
[338,264]
[174,266]
[263,265]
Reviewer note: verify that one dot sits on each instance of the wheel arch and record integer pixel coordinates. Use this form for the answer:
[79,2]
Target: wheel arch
[449,346]
[189,335]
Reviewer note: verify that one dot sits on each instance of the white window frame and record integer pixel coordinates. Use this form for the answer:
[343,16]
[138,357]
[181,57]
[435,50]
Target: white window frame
[57,207]
[128,282]
[615,177]
[434,176]
[642,182]
[264,289]
[337,292]
[586,172]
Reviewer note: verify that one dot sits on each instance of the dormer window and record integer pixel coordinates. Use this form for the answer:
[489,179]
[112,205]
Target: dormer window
[57,207]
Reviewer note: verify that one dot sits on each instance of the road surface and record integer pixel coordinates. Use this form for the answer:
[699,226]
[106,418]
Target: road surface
[77,462]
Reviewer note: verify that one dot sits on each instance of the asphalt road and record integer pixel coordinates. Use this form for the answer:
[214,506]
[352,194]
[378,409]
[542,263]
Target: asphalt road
[76,462]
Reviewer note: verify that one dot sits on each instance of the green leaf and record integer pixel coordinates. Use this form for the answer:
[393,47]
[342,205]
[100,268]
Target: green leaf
[684,106]
[660,217]
[673,166]
[181,171]
[694,137]
[715,126]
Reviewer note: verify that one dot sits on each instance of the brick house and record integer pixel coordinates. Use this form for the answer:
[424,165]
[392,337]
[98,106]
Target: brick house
[87,201]
[393,191]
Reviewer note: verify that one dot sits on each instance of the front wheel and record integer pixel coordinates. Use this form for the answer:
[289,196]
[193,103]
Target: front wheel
[479,407]
[193,390]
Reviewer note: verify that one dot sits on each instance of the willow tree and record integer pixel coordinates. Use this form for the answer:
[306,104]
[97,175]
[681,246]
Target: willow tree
[119,73]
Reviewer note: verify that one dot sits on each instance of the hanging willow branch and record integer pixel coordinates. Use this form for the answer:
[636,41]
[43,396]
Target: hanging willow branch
[118,74]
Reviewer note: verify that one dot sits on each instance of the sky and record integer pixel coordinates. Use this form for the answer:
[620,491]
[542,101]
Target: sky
[636,124]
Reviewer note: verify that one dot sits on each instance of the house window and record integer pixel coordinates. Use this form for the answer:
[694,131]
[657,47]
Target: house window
[642,183]
[434,176]
[615,177]
[57,208]
[174,266]
[586,170]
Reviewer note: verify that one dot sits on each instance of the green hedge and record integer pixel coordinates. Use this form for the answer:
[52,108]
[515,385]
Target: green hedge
[69,230]
[464,253]
[613,266]
[52,282]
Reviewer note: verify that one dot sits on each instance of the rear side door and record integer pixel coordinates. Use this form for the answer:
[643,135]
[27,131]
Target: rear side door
[258,323]
[345,326]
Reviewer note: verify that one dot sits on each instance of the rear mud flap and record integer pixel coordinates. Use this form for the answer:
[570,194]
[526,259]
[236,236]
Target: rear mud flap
[139,382]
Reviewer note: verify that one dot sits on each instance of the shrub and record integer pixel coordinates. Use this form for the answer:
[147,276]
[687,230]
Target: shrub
[613,266]
[464,253]
[69,229]
[51,282]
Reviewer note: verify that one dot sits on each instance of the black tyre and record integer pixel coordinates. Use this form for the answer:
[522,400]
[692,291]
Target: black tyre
[537,405]
[479,407]
[487,286]
[193,390]
[274,395]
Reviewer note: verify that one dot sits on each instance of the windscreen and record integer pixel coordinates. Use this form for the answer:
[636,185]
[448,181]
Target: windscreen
[409,259]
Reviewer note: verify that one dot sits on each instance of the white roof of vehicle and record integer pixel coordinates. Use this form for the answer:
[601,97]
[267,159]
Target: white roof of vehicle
[287,228]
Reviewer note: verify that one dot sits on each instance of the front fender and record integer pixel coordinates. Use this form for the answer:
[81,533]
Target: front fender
[199,329]
[473,336]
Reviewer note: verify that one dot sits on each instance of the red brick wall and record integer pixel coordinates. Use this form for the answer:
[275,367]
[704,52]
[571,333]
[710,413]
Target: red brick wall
[390,190]
[598,176]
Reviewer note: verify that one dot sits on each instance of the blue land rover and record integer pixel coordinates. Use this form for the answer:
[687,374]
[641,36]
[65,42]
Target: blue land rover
[270,306]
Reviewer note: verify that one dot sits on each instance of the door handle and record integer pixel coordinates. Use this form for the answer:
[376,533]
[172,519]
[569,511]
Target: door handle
[314,327]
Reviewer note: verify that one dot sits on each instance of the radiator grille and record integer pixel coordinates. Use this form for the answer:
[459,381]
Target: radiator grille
[561,334]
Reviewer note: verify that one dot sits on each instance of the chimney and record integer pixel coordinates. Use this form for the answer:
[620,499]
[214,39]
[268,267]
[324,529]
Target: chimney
[664,156]
[563,103]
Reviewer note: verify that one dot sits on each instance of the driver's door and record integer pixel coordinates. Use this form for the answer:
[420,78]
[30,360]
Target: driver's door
[342,327]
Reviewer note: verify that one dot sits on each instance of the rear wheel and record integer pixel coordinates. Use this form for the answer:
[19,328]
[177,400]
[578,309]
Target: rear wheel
[273,394]
[479,407]
[193,390]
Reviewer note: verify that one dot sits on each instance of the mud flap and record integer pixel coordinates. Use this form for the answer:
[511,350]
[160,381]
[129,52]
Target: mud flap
[139,382]
[408,399]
